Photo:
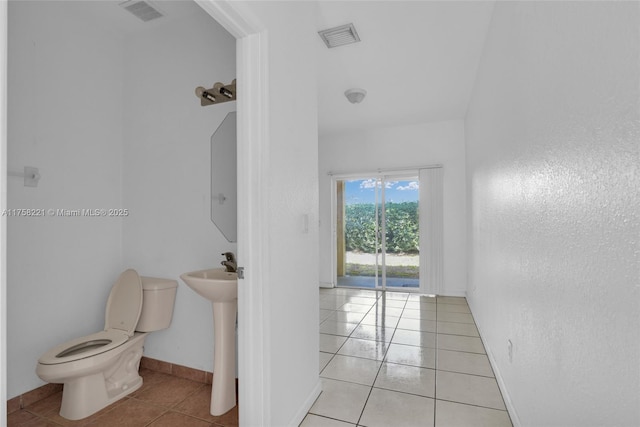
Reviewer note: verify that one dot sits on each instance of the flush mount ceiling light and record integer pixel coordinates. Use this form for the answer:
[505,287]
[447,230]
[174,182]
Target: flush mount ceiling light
[355,96]
[339,36]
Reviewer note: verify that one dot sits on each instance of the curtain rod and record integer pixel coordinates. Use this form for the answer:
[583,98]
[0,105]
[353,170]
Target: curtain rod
[380,171]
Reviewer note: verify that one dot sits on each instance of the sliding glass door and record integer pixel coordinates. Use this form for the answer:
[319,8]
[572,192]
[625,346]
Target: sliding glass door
[377,232]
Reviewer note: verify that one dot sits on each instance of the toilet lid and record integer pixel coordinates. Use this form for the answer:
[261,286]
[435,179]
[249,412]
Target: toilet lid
[125,303]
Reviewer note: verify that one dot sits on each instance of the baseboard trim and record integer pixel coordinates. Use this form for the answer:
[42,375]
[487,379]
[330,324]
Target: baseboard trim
[308,403]
[176,370]
[511,410]
[25,399]
[30,397]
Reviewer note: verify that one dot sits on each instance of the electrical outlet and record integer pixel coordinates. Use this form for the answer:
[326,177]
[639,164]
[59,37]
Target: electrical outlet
[510,350]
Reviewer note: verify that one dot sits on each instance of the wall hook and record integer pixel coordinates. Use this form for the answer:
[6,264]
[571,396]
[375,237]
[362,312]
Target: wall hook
[31,176]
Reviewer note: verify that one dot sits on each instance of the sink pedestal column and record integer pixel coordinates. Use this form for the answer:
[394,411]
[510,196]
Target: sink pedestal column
[223,390]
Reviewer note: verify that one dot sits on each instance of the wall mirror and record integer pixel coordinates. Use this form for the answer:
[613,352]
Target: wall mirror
[224,200]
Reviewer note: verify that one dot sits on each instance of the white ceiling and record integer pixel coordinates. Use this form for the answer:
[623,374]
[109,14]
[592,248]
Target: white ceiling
[108,15]
[417,60]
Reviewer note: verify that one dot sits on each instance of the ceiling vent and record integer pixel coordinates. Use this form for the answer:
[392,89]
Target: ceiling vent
[142,10]
[339,36]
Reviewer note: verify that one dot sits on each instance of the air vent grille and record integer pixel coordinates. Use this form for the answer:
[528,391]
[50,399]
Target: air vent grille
[339,36]
[142,10]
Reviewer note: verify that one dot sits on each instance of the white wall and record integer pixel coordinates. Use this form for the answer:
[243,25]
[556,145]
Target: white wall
[398,147]
[553,177]
[167,170]
[64,114]
[290,183]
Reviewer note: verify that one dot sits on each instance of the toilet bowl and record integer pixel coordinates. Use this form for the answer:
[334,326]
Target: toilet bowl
[101,368]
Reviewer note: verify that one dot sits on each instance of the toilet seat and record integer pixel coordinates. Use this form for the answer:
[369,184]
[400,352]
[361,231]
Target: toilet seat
[121,317]
[87,346]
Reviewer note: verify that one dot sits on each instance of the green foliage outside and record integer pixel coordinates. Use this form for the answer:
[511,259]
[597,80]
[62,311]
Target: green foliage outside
[402,227]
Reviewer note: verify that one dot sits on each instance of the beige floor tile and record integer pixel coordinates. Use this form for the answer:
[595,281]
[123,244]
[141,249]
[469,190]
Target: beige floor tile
[404,388]
[460,343]
[389,408]
[363,293]
[451,414]
[409,313]
[169,392]
[451,328]
[411,355]
[324,360]
[395,296]
[447,316]
[22,418]
[331,343]
[366,349]
[346,316]
[131,412]
[422,306]
[352,369]
[471,389]
[423,325]
[317,421]
[380,309]
[355,308]
[362,300]
[199,405]
[324,314]
[407,379]
[380,320]
[422,298]
[332,304]
[463,362]
[175,419]
[48,406]
[422,339]
[337,328]
[392,303]
[340,400]
[452,300]
[375,333]
[454,308]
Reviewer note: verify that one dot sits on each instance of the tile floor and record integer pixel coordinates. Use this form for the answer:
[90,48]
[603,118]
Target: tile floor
[401,359]
[162,401]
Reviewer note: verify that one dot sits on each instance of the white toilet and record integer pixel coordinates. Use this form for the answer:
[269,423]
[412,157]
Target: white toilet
[101,368]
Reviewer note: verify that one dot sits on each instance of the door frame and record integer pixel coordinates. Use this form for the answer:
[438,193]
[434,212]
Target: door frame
[254,351]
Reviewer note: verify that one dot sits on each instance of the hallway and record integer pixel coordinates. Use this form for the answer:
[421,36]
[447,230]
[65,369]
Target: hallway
[392,358]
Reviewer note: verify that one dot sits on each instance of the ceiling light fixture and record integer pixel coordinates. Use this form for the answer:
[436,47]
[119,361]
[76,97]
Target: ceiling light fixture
[217,94]
[355,96]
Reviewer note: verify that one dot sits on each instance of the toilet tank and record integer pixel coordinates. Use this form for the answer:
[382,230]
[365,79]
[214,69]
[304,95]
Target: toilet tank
[158,296]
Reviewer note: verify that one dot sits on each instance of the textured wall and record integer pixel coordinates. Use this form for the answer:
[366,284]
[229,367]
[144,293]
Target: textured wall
[553,178]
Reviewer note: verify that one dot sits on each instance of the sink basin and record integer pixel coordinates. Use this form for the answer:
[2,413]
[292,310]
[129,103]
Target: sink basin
[221,289]
[215,284]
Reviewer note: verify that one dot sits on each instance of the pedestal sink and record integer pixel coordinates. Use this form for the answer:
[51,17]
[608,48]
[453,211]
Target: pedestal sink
[221,288]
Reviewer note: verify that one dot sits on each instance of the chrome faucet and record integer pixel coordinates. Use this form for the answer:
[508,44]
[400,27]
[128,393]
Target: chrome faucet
[230,262]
